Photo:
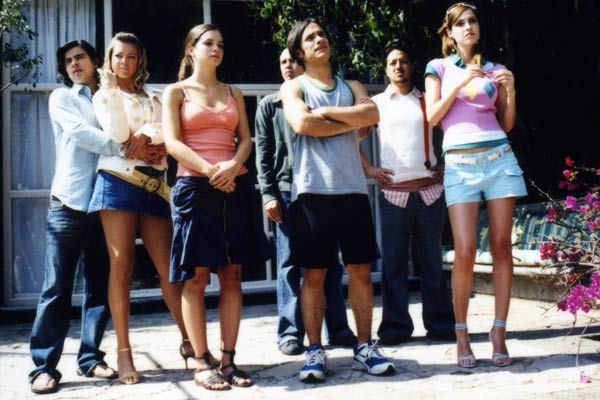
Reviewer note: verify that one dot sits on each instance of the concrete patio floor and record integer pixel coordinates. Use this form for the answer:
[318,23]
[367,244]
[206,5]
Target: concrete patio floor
[544,368]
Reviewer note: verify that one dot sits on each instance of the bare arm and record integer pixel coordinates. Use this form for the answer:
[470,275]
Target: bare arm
[228,170]
[301,119]
[173,98]
[363,113]
[437,107]
[383,176]
[506,101]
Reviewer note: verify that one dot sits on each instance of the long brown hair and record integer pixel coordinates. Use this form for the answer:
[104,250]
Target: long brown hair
[187,62]
[448,44]
[142,73]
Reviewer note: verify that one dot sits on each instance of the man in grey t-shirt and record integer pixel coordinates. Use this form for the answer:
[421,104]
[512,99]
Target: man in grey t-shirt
[330,206]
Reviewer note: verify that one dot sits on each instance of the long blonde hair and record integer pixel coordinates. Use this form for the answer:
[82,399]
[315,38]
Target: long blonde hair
[187,62]
[448,44]
[142,73]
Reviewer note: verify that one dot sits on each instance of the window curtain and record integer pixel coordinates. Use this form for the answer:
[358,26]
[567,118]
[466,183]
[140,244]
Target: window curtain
[57,22]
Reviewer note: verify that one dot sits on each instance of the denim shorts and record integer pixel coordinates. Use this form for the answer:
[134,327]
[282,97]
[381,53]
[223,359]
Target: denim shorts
[489,175]
[112,193]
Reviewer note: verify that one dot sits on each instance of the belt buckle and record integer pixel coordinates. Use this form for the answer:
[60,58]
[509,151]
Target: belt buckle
[152,184]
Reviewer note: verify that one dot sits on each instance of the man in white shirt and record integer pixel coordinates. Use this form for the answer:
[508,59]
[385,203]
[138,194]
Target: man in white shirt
[412,207]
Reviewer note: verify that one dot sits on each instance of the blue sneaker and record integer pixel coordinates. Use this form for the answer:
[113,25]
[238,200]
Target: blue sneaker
[368,357]
[313,370]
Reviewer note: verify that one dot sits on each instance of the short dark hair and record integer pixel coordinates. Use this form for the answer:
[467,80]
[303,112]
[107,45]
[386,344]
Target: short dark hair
[60,59]
[399,46]
[294,39]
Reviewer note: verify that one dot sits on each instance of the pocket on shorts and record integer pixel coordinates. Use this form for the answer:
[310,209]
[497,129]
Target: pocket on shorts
[452,179]
[513,170]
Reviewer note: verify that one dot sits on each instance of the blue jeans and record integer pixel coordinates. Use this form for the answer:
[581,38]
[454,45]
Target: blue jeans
[424,224]
[290,324]
[70,233]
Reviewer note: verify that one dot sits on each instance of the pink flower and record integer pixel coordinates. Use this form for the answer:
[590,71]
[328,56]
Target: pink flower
[553,214]
[589,198]
[548,251]
[584,209]
[596,205]
[570,203]
[565,184]
[598,172]
[568,174]
[569,161]
[594,225]
[562,305]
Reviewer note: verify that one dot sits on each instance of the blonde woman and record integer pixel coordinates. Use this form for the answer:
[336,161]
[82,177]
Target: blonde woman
[130,192]
[474,101]
[206,129]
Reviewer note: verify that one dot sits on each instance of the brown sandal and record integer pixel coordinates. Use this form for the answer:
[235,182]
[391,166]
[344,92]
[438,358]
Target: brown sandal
[236,376]
[208,377]
[50,384]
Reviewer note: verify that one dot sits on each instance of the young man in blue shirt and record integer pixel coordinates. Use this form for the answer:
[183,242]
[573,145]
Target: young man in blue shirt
[70,231]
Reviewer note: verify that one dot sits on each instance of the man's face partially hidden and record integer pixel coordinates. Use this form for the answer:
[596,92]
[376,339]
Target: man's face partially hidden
[289,68]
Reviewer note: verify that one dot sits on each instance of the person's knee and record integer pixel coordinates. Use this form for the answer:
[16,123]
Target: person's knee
[360,274]
[122,267]
[198,283]
[501,248]
[464,254]
[230,279]
[314,278]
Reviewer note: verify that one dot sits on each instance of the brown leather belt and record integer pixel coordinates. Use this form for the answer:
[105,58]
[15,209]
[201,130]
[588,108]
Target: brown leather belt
[148,183]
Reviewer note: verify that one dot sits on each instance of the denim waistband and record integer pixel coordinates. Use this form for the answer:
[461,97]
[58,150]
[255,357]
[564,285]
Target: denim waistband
[481,159]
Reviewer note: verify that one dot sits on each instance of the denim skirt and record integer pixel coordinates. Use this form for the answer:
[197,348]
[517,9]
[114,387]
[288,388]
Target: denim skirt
[112,193]
[212,228]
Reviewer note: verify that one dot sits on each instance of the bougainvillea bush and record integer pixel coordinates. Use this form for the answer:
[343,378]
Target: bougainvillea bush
[575,253]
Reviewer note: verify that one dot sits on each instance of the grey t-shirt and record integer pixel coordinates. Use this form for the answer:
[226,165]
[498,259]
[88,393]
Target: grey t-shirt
[328,165]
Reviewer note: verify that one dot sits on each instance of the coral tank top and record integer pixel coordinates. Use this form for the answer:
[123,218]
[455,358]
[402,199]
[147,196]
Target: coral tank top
[210,132]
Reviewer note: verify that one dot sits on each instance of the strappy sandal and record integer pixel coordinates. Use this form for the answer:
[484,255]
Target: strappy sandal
[469,360]
[208,377]
[236,377]
[499,359]
[190,354]
[131,377]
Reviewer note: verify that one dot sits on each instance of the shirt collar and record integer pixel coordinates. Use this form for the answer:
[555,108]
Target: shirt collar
[390,92]
[459,62]
[78,88]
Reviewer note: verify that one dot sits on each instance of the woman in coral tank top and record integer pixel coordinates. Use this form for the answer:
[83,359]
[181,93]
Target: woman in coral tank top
[206,129]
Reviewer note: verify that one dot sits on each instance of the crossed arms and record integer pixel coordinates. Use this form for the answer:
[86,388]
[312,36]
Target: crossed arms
[327,121]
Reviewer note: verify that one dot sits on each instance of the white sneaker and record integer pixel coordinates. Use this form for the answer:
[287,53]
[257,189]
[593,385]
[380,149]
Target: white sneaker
[314,368]
[368,357]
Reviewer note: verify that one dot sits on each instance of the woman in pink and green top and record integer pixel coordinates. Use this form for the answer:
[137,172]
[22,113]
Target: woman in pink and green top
[474,101]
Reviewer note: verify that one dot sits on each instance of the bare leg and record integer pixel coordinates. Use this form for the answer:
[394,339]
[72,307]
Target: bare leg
[463,219]
[194,316]
[119,229]
[313,303]
[157,234]
[230,313]
[501,213]
[360,294]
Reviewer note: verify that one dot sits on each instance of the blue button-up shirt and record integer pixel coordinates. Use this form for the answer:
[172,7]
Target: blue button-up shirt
[78,140]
